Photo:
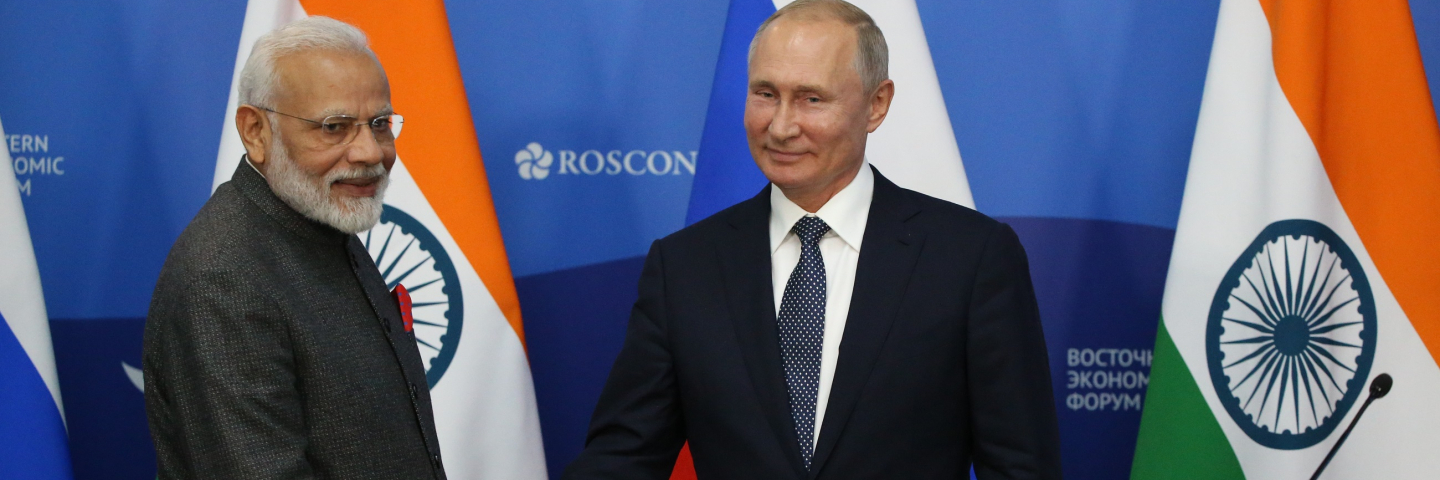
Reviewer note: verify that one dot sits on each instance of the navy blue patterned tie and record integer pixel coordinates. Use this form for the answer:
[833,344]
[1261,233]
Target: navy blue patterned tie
[802,328]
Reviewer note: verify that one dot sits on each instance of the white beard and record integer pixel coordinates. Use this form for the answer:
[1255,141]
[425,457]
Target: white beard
[310,195]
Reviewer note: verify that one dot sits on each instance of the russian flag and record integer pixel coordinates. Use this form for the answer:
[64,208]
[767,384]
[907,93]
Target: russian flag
[33,442]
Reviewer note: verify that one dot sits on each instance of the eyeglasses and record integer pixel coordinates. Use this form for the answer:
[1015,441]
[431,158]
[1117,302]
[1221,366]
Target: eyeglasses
[342,129]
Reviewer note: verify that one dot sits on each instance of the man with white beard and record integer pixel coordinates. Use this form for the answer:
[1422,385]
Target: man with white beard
[273,348]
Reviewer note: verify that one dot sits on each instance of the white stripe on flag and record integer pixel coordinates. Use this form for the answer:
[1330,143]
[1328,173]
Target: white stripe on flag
[21,301]
[915,147]
[485,411]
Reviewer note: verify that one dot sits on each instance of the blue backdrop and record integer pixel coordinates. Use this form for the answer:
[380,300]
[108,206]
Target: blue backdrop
[1074,118]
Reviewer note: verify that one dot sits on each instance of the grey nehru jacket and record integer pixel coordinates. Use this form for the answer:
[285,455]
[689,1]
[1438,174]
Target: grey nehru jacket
[273,349]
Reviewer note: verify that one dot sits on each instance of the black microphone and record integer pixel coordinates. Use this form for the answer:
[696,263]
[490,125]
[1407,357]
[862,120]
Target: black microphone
[1378,388]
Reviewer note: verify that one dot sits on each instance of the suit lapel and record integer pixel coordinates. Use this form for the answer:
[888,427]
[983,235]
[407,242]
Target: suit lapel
[744,256]
[887,258]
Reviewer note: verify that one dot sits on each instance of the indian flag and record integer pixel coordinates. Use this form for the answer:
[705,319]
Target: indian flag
[1305,263]
[438,236]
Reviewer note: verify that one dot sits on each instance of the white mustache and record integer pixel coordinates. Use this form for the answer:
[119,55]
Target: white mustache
[376,170]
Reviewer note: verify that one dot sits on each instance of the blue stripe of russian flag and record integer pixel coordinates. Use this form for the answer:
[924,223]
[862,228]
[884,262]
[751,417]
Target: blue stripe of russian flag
[725,174]
[33,443]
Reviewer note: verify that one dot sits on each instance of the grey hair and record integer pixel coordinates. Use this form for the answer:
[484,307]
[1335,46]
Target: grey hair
[872,56]
[259,80]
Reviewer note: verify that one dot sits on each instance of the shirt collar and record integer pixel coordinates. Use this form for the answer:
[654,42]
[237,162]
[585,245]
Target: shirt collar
[846,213]
[246,158]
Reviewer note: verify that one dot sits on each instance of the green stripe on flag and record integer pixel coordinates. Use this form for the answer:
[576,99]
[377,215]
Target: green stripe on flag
[1179,437]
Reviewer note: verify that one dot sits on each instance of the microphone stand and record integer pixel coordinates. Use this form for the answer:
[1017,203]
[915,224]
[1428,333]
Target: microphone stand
[1378,388]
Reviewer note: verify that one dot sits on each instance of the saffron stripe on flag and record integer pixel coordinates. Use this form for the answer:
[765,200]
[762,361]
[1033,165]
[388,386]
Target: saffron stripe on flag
[1353,73]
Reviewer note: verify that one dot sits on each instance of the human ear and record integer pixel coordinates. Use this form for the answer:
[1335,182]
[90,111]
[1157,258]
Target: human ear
[254,128]
[880,104]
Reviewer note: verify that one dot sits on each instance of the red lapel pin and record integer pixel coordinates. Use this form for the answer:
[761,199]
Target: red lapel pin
[402,298]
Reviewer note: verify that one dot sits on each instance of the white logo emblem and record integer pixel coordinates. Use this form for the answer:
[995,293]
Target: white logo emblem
[534,162]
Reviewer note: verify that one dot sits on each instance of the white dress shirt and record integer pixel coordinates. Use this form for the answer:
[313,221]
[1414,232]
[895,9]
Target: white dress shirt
[846,213]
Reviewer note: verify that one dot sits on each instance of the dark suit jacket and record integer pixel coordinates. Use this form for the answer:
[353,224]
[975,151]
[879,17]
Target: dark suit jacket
[942,360]
[274,350]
